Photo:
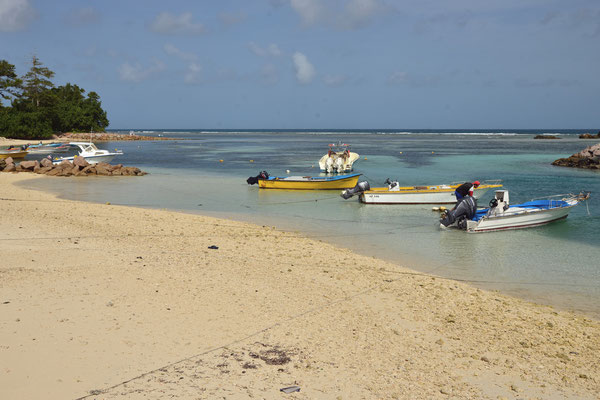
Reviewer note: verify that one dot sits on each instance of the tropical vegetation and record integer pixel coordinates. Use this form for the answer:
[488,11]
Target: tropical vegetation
[31,107]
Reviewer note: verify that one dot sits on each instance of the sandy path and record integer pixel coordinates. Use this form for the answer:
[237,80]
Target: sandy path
[113,302]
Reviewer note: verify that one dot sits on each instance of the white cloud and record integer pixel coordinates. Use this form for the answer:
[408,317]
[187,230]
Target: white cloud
[270,50]
[334,80]
[397,77]
[341,14]
[193,74]
[138,73]
[174,51]
[305,72]
[359,13]
[169,24]
[310,11]
[15,15]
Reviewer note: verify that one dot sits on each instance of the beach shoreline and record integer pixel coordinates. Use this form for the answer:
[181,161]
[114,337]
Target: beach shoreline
[106,301]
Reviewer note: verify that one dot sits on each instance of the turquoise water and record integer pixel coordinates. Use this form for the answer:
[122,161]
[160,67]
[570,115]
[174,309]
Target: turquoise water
[555,264]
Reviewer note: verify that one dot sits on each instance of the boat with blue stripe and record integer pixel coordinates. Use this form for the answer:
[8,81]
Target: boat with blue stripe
[336,182]
[501,215]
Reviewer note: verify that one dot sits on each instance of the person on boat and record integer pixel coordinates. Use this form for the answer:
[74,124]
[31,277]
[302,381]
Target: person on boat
[466,189]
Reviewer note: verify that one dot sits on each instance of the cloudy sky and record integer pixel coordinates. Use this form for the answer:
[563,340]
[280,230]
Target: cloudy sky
[319,63]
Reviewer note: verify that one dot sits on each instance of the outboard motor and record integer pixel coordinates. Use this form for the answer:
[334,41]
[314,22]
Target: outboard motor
[254,179]
[359,188]
[465,209]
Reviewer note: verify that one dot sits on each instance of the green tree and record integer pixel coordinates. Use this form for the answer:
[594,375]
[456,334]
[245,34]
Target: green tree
[37,81]
[10,84]
[41,109]
[72,112]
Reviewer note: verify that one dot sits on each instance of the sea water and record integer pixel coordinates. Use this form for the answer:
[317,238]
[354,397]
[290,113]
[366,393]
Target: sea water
[206,171]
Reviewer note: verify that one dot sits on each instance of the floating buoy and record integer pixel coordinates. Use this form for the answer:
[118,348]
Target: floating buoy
[287,171]
[435,209]
[220,160]
[400,152]
[432,152]
[251,160]
[365,158]
[442,208]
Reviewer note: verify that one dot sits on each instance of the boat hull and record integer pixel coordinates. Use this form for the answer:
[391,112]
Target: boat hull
[17,155]
[107,158]
[309,183]
[526,219]
[418,195]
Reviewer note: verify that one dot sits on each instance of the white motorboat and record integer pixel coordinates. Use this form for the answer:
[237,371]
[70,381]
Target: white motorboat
[338,159]
[90,152]
[396,194]
[501,215]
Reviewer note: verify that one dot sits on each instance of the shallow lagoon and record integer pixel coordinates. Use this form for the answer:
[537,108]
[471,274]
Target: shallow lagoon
[555,264]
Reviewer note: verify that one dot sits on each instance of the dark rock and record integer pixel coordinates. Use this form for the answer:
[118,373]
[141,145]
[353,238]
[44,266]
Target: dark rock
[589,136]
[80,162]
[588,158]
[29,165]
[65,164]
[546,137]
[101,170]
[43,170]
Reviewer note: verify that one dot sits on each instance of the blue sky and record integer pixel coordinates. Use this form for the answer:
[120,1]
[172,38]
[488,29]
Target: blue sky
[319,64]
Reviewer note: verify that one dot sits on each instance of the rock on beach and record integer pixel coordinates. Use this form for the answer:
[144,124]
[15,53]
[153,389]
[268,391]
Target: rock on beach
[79,167]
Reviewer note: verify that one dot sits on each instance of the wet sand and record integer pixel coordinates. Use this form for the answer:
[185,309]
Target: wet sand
[111,302]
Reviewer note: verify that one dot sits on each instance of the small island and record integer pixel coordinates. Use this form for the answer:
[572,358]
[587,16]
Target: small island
[589,158]
[589,136]
[546,137]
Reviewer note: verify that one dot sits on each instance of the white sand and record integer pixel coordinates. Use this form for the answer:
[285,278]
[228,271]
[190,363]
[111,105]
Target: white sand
[115,302]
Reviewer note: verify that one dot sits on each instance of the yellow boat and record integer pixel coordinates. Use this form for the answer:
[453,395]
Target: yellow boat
[16,155]
[309,182]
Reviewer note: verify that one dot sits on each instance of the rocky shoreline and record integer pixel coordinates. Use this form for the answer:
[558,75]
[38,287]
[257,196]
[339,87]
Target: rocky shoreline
[79,167]
[588,158]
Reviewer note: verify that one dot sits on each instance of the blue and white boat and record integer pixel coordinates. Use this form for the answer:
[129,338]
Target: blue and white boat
[501,215]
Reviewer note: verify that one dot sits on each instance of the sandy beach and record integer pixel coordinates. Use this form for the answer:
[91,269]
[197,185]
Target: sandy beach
[109,302]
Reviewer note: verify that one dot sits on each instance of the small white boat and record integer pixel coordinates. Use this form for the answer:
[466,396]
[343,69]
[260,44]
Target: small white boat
[338,159]
[90,152]
[501,215]
[48,148]
[396,194]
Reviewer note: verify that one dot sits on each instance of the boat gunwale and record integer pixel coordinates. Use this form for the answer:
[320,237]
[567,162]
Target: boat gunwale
[311,178]
[411,190]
